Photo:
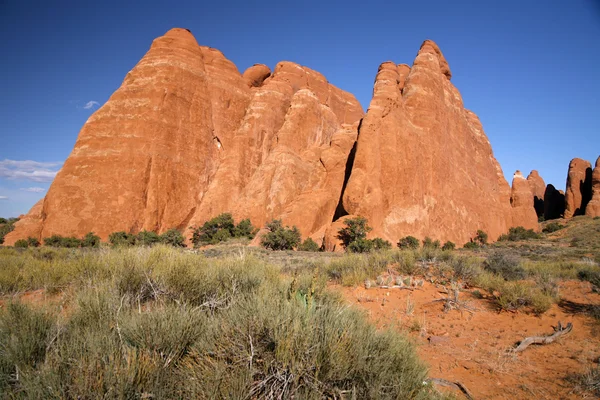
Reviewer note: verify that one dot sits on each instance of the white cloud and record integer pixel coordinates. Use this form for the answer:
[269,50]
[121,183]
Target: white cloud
[3,198]
[91,104]
[29,170]
[33,189]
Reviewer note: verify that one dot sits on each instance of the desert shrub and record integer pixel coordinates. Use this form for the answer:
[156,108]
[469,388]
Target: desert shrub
[356,229]
[21,243]
[6,226]
[147,238]
[552,227]
[587,381]
[214,230]
[244,228]
[33,242]
[61,241]
[481,237]
[173,237]
[517,295]
[53,241]
[381,244]
[280,237]
[408,242]
[220,229]
[471,245]
[352,269]
[505,264]
[360,246]
[121,239]
[590,276]
[309,245]
[90,240]
[70,242]
[430,243]
[24,337]
[468,269]
[406,260]
[519,233]
[448,246]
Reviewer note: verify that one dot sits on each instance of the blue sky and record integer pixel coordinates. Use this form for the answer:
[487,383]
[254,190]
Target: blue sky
[530,69]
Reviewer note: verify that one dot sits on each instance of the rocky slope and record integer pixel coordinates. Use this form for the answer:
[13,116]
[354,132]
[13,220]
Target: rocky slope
[187,136]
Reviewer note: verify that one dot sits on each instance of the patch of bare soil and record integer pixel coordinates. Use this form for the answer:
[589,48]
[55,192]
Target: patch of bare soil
[473,345]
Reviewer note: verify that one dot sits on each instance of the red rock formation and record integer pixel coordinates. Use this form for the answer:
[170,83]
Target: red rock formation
[579,187]
[538,189]
[423,165]
[593,207]
[187,137]
[521,200]
[256,75]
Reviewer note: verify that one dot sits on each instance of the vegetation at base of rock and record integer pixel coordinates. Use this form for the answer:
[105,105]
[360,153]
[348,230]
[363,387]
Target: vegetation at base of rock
[519,233]
[7,225]
[280,237]
[173,238]
[356,229]
[553,227]
[408,242]
[448,246]
[381,244]
[61,241]
[309,245]
[430,243]
[176,325]
[221,228]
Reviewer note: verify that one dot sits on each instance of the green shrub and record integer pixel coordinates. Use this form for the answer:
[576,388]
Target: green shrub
[448,246]
[429,243]
[505,264]
[90,240]
[220,229]
[70,242]
[22,244]
[147,238]
[33,242]
[280,237]
[552,227]
[309,245]
[481,238]
[355,229]
[6,227]
[381,244]
[244,229]
[122,239]
[61,241]
[592,277]
[173,237]
[360,246]
[519,233]
[24,338]
[471,245]
[408,242]
[468,269]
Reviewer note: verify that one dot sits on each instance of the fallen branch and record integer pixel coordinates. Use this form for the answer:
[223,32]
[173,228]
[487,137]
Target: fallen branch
[559,331]
[455,385]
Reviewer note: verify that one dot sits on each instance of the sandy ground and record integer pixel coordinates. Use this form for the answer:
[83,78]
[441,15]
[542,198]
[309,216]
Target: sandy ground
[474,347]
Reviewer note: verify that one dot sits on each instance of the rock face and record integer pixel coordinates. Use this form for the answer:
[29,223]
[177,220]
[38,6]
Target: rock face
[423,165]
[554,203]
[187,137]
[521,200]
[593,207]
[538,188]
[579,187]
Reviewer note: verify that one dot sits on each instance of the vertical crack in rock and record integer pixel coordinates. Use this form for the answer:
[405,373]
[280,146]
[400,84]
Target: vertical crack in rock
[340,211]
